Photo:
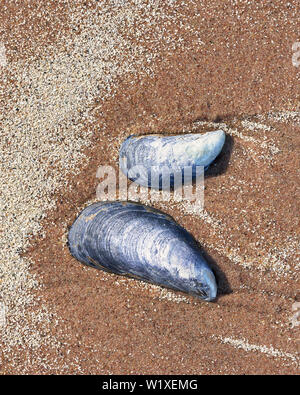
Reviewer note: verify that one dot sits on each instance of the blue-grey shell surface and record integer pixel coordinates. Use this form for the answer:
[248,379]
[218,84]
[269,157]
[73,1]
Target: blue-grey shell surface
[147,159]
[138,241]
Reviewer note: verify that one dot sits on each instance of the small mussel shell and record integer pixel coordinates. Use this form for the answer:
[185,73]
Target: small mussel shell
[141,242]
[149,159]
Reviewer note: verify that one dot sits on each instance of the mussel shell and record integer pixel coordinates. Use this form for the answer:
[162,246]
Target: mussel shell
[150,158]
[141,242]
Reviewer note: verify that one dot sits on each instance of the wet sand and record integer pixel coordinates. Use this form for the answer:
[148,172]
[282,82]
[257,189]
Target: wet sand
[171,69]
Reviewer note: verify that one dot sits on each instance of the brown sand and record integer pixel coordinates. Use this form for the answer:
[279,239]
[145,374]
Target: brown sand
[250,228]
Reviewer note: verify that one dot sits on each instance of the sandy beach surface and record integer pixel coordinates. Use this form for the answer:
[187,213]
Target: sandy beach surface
[77,78]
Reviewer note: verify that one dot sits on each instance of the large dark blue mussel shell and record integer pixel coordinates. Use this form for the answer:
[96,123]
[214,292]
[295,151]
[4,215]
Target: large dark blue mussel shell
[138,241]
